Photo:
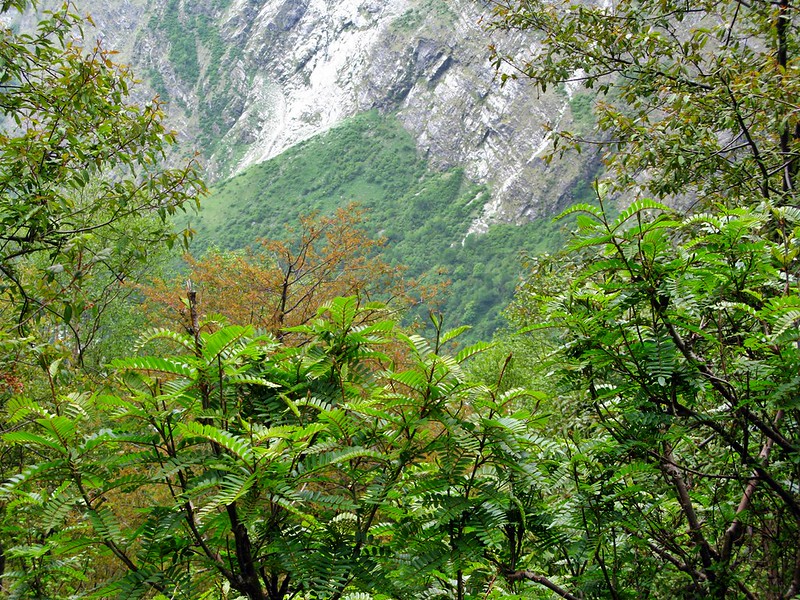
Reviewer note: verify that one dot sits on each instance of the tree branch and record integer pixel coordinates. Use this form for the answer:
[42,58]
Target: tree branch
[541,580]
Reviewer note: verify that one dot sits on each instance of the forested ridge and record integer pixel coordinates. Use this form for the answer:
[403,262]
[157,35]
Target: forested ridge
[422,216]
[266,426]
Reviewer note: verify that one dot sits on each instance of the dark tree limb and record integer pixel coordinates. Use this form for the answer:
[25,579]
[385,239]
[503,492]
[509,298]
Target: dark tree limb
[541,580]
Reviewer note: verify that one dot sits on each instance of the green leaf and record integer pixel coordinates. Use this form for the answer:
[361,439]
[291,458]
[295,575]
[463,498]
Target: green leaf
[155,364]
[232,488]
[217,343]
[238,446]
[26,438]
[636,208]
[472,350]
[584,208]
[183,340]
[454,333]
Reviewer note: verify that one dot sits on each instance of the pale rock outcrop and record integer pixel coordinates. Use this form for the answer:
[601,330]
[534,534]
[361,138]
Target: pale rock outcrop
[293,69]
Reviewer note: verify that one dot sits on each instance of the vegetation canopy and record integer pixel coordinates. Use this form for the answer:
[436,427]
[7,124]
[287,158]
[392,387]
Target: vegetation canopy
[675,333]
[84,193]
[695,100]
[633,434]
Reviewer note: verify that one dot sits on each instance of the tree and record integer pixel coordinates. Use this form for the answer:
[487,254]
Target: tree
[675,333]
[85,200]
[282,282]
[83,190]
[268,469]
[677,344]
[695,100]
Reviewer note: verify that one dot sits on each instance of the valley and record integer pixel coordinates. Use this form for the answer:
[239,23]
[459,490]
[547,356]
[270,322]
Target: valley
[299,106]
[373,365]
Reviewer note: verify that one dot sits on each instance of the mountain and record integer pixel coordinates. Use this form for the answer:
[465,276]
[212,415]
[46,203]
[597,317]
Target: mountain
[247,79]
[252,82]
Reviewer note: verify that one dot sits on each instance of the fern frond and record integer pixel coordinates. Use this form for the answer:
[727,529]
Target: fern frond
[62,428]
[637,207]
[236,445]
[454,333]
[155,364]
[218,342]
[106,524]
[412,379]
[326,459]
[26,438]
[472,350]
[18,408]
[583,208]
[251,380]
[232,487]
[161,333]
[56,509]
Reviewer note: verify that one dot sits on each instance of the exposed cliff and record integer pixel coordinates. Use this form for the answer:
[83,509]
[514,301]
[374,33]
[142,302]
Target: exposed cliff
[246,79]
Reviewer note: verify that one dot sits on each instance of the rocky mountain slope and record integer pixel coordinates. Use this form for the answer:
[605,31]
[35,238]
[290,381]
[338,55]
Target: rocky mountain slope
[246,79]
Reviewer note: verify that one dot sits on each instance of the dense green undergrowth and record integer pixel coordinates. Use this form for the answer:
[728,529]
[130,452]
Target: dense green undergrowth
[423,214]
[633,435]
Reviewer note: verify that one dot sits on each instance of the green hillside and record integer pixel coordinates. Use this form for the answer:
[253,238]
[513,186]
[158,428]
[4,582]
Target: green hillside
[424,214]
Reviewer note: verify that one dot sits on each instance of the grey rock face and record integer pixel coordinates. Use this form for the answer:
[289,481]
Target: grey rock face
[275,72]
[290,14]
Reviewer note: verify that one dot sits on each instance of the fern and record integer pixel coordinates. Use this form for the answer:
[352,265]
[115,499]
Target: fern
[231,489]
[636,208]
[27,438]
[420,346]
[413,380]
[328,461]
[155,364]
[58,506]
[61,428]
[238,446]
[106,524]
[584,208]
[471,351]
[454,333]
[19,408]
[159,333]
[217,343]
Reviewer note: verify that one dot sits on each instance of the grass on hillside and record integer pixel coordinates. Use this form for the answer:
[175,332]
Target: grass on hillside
[423,214]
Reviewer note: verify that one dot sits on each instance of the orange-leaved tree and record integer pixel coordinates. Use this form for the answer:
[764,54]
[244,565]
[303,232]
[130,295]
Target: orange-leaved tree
[281,283]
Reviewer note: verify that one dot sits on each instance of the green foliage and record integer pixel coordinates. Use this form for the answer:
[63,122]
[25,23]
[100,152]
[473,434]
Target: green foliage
[700,98]
[84,196]
[277,470]
[182,43]
[368,160]
[582,107]
[423,215]
[676,337]
[658,460]
[19,5]
[159,86]
[196,53]
[428,11]
[85,201]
